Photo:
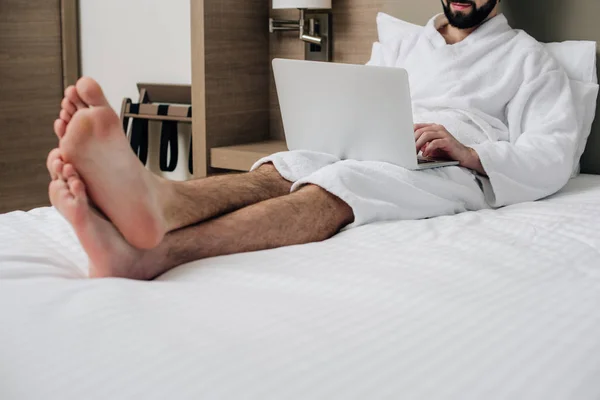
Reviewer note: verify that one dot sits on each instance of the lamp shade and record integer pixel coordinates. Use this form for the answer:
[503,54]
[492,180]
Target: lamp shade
[310,4]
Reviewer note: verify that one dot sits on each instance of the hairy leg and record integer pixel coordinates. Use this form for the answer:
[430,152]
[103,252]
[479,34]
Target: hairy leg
[142,206]
[185,203]
[199,200]
[309,215]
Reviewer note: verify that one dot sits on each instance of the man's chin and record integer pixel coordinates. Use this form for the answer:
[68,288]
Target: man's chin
[459,17]
[461,23]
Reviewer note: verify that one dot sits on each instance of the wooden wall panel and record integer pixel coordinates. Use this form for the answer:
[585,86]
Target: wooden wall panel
[354,31]
[31,85]
[231,57]
[70,42]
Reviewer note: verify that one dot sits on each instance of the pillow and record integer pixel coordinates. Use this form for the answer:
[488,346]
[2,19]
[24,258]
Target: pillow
[585,96]
[578,58]
[579,62]
[392,29]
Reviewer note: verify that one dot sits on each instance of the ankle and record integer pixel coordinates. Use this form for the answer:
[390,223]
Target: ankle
[166,192]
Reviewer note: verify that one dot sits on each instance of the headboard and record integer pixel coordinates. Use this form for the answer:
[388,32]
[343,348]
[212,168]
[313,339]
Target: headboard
[546,20]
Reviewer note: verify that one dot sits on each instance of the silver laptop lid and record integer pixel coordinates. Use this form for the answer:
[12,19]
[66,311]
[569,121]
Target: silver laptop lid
[350,111]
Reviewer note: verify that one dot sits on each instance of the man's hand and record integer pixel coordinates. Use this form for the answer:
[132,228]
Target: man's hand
[436,142]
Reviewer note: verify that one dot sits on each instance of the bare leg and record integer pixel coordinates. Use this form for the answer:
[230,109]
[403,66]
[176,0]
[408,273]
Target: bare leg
[309,215]
[184,203]
[142,206]
[199,200]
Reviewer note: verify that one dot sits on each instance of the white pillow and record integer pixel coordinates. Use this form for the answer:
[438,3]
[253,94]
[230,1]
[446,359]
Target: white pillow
[578,58]
[391,29]
[585,96]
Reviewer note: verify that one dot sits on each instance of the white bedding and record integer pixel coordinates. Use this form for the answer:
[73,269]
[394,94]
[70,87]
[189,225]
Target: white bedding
[487,305]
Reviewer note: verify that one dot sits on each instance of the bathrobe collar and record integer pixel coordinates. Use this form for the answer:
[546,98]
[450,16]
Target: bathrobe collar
[498,24]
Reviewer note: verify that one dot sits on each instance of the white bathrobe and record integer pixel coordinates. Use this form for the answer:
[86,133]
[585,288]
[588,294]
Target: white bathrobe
[498,91]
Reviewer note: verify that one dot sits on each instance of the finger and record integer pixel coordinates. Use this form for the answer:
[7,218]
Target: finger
[427,137]
[421,126]
[435,146]
[421,131]
[432,127]
[422,136]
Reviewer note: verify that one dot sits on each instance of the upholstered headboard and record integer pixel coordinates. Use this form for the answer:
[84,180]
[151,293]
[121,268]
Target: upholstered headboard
[546,20]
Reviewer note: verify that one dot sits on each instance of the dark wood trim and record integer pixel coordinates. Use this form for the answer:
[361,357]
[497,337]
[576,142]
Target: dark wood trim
[69,11]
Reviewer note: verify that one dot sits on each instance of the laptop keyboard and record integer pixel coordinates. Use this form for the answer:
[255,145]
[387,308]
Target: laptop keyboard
[426,160]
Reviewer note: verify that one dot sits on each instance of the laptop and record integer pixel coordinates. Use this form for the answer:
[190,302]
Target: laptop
[352,112]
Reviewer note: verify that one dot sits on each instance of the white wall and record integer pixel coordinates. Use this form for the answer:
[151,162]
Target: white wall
[124,42]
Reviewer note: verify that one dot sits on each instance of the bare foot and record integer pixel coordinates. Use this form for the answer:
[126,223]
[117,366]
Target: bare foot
[87,93]
[109,253]
[55,164]
[117,182]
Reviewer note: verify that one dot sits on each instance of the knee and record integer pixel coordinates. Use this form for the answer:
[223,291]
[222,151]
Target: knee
[271,178]
[268,169]
[331,205]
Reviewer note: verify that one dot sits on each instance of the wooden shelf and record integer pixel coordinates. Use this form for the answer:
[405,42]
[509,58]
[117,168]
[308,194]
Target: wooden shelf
[242,157]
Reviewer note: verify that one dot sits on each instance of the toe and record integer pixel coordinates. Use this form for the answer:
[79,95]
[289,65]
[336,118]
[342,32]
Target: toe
[65,116]
[52,157]
[69,172]
[91,93]
[68,106]
[72,95]
[57,168]
[52,192]
[60,128]
[77,188]
[59,193]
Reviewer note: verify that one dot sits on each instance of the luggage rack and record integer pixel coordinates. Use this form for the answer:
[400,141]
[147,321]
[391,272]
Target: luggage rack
[169,105]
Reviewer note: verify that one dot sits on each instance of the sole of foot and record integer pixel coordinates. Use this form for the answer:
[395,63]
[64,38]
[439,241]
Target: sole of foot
[85,94]
[116,181]
[109,253]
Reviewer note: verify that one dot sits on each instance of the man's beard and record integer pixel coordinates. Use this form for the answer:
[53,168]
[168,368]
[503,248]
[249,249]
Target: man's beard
[470,19]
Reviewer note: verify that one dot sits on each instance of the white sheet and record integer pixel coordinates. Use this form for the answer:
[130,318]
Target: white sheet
[486,305]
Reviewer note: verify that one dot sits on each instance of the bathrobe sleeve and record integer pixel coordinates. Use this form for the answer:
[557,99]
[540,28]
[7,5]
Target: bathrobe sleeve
[538,160]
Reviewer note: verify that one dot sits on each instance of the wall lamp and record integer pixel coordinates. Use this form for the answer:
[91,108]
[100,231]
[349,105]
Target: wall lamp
[314,26]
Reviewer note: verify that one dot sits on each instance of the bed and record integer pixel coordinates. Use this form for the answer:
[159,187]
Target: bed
[484,305]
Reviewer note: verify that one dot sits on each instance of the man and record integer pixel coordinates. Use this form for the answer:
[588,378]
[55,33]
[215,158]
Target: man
[485,95]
